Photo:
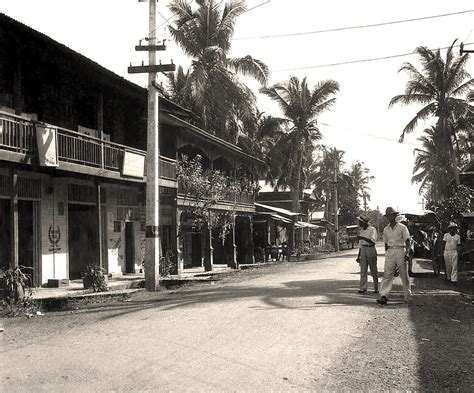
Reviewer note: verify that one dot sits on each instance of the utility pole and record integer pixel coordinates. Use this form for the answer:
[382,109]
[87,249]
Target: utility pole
[152,241]
[336,203]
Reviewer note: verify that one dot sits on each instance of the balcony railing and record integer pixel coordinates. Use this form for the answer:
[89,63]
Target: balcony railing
[244,198]
[17,134]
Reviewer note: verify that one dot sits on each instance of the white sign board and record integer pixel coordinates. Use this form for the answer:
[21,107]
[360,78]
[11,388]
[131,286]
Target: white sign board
[47,146]
[133,165]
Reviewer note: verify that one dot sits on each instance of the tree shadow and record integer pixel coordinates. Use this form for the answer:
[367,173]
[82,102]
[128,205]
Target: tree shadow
[291,295]
[443,324]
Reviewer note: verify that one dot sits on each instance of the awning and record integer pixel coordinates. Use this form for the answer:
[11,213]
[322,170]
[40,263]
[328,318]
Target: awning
[302,224]
[277,210]
[275,216]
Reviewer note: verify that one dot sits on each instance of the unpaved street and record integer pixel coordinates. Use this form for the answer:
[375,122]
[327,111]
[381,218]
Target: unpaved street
[294,326]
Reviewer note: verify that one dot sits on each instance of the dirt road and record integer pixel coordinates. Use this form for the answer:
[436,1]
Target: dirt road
[294,326]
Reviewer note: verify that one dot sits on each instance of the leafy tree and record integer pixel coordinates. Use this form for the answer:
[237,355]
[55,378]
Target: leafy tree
[301,107]
[441,87]
[361,178]
[432,170]
[451,208]
[211,86]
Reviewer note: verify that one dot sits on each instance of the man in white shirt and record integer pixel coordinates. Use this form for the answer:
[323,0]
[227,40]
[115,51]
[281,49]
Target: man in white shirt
[452,250]
[367,254]
[397,251]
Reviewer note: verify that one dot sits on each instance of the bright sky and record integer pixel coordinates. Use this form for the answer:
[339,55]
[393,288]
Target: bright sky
[360,123]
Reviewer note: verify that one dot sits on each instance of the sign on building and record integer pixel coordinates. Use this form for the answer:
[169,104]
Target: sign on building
[47,147]
[133,165]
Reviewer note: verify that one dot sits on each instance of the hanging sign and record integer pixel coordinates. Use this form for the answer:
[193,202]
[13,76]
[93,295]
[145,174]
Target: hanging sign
[133,165]
[47,146]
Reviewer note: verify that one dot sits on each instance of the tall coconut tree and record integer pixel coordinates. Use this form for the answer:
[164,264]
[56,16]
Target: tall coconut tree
[440,87]
[361,177]
[432,170]
[204,33]
[301,107]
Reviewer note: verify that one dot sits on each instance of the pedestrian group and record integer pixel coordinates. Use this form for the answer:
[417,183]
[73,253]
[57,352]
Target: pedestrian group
[399,250]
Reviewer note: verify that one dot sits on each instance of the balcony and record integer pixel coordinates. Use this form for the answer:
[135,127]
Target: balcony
[243,198]
[75,152]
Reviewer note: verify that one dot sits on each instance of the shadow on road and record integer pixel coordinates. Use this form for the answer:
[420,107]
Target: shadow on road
[443,325]
[298,295]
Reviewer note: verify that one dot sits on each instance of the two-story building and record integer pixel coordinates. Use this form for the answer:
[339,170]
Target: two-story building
[72,167]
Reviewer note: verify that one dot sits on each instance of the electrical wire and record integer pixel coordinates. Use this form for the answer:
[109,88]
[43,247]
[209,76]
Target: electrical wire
[353,27]
[359,60]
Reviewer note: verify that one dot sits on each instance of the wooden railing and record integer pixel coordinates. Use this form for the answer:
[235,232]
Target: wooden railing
[230,197]
[17,134]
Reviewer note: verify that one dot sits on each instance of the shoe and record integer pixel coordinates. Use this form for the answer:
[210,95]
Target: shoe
[362,291]
[376,291]
[382,300]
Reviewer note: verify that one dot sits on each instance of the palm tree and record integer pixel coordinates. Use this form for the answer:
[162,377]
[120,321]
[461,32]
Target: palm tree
[212,85]
[323,176]
[441,87]
[432,170]
[361,177]
[301,107]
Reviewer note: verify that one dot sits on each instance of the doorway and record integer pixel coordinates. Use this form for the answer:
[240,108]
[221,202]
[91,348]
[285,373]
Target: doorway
[28,237]
[83,238]
[129,248]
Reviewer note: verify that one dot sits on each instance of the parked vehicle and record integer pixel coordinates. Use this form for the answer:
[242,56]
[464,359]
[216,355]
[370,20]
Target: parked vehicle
[422,226]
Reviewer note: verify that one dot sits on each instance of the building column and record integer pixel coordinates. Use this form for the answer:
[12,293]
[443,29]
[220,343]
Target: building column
[233,263]
[209,257]
[251,259]
[98,217]
[179,243]
[14,241]
[100,124]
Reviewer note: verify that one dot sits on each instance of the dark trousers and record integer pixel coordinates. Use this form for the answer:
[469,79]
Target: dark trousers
[368,259]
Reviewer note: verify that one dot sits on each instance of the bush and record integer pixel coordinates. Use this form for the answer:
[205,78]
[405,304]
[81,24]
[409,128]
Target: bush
[95,278]
[17,293]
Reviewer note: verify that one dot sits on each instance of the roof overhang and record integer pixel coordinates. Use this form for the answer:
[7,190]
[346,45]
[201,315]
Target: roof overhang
[303,224]
[279,210]
[170,119]
[275,216]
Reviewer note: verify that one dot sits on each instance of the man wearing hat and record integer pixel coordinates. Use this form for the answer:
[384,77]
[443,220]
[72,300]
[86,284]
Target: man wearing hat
[397,251]
[452,250]
[367,254]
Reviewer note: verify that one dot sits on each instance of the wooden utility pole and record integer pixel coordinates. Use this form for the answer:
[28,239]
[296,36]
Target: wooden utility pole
[152,241]
[336,207]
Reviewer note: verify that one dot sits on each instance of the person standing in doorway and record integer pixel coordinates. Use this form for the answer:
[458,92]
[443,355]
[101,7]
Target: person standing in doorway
[367,257]
[397,251]
[452,250]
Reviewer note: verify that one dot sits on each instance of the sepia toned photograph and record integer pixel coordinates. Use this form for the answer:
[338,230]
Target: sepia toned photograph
[236,196]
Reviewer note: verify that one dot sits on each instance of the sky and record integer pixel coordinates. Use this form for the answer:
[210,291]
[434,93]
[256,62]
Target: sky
[360,123]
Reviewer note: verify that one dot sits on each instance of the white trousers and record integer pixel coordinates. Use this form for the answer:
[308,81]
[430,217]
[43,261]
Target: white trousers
[451,261]
[395,257]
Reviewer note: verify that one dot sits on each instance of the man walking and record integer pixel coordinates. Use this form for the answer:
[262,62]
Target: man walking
[397,251]
[367,254]
[452,250]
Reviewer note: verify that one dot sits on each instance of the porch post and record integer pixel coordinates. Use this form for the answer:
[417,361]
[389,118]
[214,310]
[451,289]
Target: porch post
[99,221]
[100,124]
[14,242]
[234,263]
[252,255]
[209,258]
[179,244]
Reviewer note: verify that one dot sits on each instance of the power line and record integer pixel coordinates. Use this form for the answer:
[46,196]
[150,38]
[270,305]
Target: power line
[352,27]
[359,60]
